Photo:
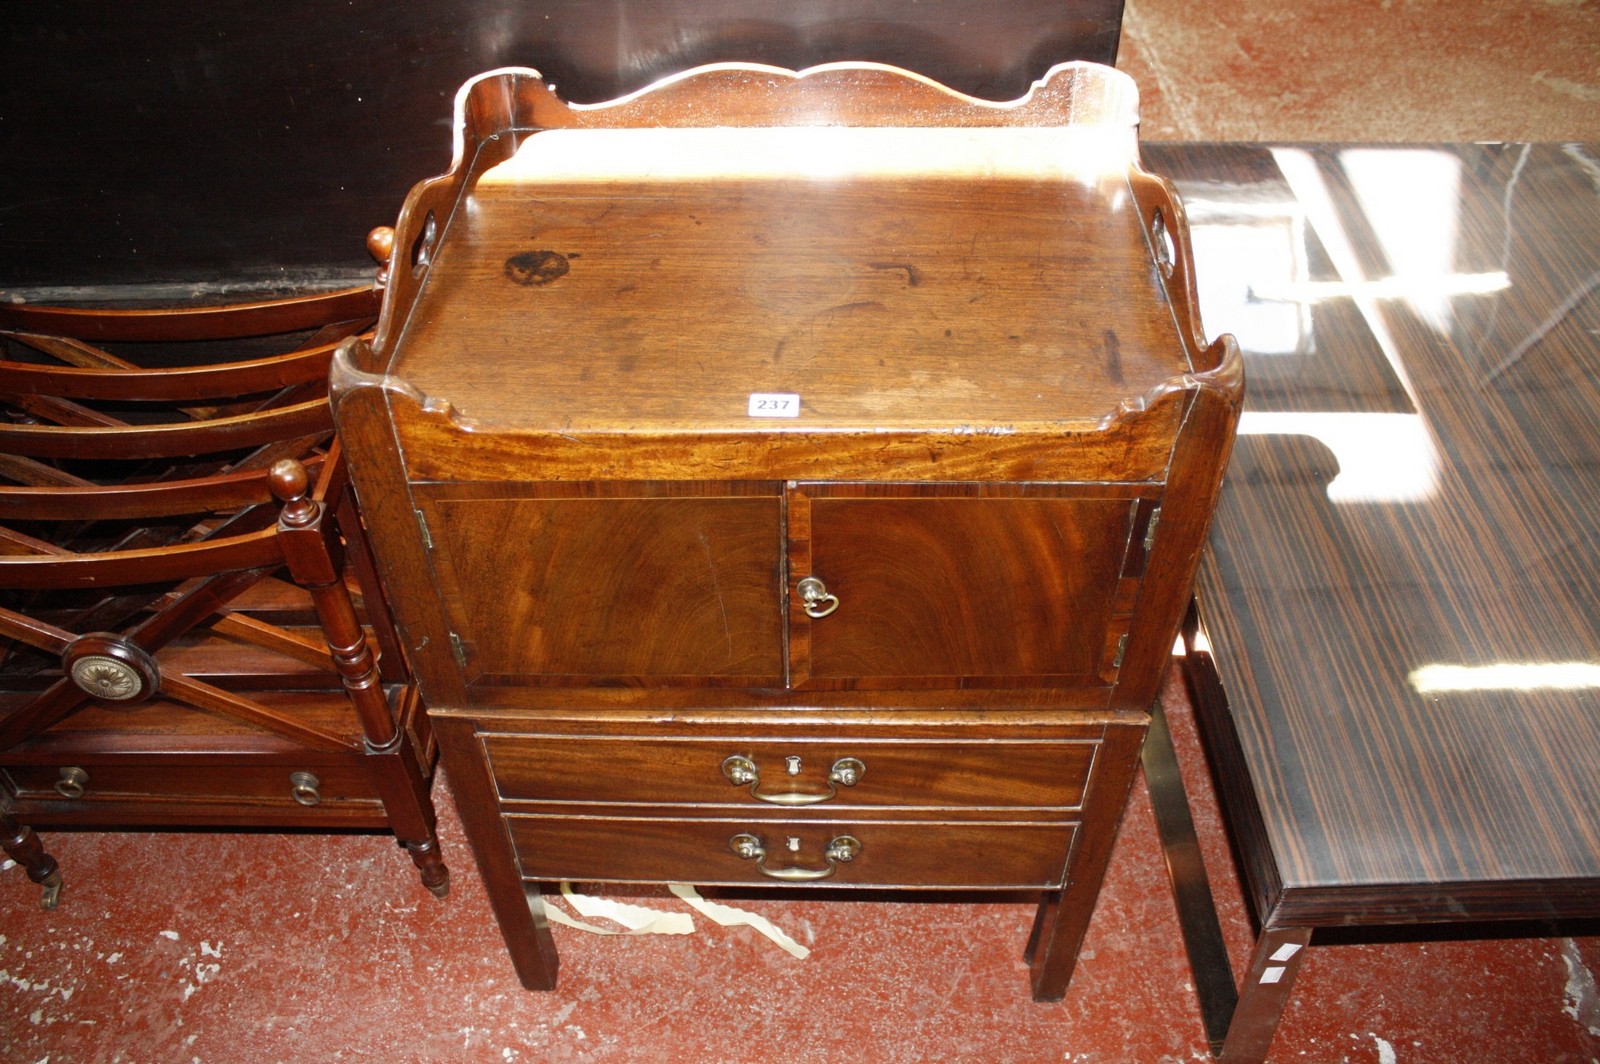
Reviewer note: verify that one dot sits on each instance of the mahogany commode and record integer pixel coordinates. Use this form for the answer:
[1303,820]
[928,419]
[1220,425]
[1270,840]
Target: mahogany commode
[791,478]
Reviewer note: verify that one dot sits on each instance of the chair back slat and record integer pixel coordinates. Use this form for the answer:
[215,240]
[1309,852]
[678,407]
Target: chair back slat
[169,440]
[69,350]
[20,543]
[256,550]
[227,491]
[51,410]
[357,306]
[27,471]
[214,380]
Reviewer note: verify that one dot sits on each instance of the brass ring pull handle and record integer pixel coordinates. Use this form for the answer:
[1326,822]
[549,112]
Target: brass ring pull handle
[306,788]
[74,782]
[815,598]
[742,772]
[841,850]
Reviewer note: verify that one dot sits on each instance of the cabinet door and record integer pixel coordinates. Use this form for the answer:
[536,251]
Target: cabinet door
[956,585]
[545,586]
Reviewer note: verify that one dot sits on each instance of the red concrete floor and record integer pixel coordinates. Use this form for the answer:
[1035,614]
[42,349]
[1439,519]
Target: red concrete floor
[220,947]
[1365,70]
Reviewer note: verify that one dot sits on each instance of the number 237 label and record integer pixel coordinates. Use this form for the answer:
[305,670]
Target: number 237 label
[774,404]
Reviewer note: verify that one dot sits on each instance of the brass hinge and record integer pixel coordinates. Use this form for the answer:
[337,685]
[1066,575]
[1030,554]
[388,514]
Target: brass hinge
[1122,648]
[1150,529]
[422,526]
[458,650]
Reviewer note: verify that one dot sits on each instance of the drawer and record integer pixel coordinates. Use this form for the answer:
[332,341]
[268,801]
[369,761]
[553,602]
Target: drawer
[972,772]
[975,854]
[88,783]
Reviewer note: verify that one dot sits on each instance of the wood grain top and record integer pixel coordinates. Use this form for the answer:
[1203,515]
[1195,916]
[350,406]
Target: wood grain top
[886,252]
[1402,593]
[889,301]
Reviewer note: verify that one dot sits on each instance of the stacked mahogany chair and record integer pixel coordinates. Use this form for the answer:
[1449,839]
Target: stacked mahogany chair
[191,633]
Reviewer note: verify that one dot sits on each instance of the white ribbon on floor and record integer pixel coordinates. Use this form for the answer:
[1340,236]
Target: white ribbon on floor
[728,916]
[642,920]
[636,919]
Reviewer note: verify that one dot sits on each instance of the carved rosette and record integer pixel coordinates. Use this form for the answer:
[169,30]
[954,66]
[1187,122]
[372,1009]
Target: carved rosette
[111,668]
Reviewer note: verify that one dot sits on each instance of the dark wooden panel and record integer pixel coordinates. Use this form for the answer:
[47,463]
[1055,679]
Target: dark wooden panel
[966,854]
[1039,712]
[615,588]
[949,587]
[979,769]
[239,140]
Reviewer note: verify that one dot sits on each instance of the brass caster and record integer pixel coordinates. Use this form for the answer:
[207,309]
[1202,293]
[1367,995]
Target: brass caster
[440,889]
[52,891]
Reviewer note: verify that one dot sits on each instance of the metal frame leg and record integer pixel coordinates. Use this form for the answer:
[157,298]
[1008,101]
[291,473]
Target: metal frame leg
[1191,889]
[1239,1022]
[1265,993]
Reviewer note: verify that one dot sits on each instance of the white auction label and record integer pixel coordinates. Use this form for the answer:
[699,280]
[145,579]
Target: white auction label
[774,404]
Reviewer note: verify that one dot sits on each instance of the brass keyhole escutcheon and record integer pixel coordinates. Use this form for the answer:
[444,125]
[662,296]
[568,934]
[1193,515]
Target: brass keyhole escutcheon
[815,598]
[742,771]
[841,849]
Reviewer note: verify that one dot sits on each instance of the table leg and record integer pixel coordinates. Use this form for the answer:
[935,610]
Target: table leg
[518,906]
[23,846]
[1264,994]
[1063,916]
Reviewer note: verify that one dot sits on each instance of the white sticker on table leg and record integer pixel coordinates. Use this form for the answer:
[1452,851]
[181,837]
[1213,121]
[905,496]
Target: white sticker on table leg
[728,916]
[1272,974]
[1285,951]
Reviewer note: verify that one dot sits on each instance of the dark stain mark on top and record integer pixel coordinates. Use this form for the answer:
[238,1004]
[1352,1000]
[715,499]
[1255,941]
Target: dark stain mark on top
[1113,355]
[536,267]
[913,275]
